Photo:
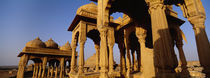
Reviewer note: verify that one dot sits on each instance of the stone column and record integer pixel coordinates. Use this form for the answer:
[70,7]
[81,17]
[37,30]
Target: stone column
[56,70]
[81,57]
[34,71]
[134,60]
[44,66]
[102,24]
[122,56]
[52,70]
[62,67]
[103,53]
[128,59]
[202,41]
[139,59]
[37,70]
[48,71]
[73,58]
[97,48]
[147,58]
[21,67]
[111,42]
[40,70]
[184,72]
[162,41]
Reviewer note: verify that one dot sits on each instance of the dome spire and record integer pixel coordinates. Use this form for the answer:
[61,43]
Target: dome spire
[66,47]
[51,44]
[37,38]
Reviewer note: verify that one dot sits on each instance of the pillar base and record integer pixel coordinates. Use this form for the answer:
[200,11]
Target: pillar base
[185,74]
[148,64]
[80,72]
[72,75]
[103,75]
[111,72]
[96,71]
[128,74]
[167,75]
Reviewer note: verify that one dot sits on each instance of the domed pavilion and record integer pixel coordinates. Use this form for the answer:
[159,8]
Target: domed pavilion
[47,58]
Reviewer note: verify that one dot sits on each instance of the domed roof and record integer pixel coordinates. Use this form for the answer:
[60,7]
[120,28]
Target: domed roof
[91,7]
[36,43]
[51,44]
[66,47]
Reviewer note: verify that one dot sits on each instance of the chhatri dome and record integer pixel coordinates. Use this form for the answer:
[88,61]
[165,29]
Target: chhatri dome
[51,44]
[91,7]
[36,43]
[66,47]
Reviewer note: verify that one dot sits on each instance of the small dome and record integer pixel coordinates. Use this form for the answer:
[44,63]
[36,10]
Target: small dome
[66,47]
[91,7]
[36,43]
[51,44]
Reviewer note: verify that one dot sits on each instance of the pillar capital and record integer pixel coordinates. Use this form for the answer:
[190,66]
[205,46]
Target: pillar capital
[97,46]
[197,21]
[103,31]
[155,4]
[82,43]
[141,35]
[151,2]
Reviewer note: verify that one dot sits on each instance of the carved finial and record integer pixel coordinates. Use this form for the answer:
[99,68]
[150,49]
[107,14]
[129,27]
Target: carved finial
[67,42]
[37,38]
[50,39]
[91,3]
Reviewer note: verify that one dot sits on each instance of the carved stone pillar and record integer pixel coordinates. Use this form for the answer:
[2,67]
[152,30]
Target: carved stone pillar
[73,58]
[128,59]
[44,66]
[138,59]
[162,41]
[82,39]
[97,48]
[56,70]
[147,58]
[37,70]
[40,70]
[179,45]
[81,57]
[62,67]
[34,71]
[52,70]
[122,55]
[134,60]
[102,24]
[48,71]
[21,67]
[202,42]
[111,42]
[177,36]
[103,53]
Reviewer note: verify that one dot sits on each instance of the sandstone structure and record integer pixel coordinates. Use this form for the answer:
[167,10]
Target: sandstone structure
[148,32]
[49,60]
[149,28]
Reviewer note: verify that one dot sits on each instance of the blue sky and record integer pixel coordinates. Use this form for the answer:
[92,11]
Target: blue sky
[24,20]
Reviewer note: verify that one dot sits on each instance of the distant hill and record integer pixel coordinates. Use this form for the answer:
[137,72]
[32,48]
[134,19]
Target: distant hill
[8,67]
